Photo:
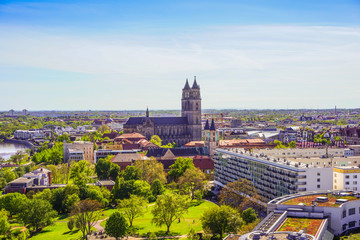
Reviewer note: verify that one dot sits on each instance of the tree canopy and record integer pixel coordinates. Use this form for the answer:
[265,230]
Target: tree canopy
[180,166]
[116,226]
[221,220]
[168,208]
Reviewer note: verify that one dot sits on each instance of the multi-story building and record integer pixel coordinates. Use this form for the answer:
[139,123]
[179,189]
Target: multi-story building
[352,150]
[301,153]
[272,177]
[78,149]
[346,178]
[32,134]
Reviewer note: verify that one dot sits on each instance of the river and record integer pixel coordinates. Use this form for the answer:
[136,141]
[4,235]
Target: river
[9,149]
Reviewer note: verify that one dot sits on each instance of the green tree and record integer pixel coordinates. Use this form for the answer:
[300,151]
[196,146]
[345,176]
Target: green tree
[4,224]
[249,215]
[193,179]
[192,235]
[71,224]
[132,173]
[168,208]
[104,129]
[151,170]
[180,166]
[81,172]
[65,137]
[116,226]
[37,213]
[155,139]
[157,188]
[103,168]
[292,144]
[221,220]
[12,202]
[132,208]
[85,213]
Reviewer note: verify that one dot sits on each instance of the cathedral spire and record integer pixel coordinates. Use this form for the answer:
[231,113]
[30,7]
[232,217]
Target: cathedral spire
[207,125]
[187,86]
[147,112]
[195,86]
[212,127]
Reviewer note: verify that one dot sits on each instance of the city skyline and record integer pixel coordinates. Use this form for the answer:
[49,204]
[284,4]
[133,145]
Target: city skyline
[121,56]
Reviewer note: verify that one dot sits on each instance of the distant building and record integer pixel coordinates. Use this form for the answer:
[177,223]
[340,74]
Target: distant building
[305,118]
[25,112]
[180,130]
[351,135]
[12,112]
[79,150]
[38,177]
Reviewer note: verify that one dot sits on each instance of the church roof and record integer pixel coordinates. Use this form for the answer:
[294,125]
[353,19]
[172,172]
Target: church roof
[212,127]
[207,125]
[158,120]
[178,152]
[187,86]
[195,85]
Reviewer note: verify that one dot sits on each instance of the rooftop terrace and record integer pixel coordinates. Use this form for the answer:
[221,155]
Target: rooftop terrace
[322,200]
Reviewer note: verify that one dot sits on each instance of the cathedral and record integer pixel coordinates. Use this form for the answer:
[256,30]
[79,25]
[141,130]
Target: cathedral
[180,130]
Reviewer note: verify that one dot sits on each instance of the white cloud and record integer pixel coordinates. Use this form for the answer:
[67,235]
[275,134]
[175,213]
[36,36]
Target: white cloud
[234,63]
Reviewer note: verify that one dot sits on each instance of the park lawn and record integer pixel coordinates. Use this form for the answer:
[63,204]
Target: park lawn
[58,230]
[143,225]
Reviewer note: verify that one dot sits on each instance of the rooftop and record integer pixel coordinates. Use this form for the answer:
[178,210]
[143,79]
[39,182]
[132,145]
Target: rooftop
[309,225]
[310,200]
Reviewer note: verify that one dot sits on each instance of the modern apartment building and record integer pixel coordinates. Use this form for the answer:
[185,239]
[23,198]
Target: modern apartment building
[346,178]
[272,177]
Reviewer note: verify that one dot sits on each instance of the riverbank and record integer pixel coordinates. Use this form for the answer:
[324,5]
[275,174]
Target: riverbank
[23,142]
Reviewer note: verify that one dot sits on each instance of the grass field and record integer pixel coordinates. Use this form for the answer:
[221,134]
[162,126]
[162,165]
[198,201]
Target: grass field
[58,230]
[143,225]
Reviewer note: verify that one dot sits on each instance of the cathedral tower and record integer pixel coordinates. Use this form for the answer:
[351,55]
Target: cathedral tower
[191,109]
[210,137]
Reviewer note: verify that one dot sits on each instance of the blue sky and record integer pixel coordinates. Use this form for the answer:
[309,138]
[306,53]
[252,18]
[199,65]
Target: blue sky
[115,55]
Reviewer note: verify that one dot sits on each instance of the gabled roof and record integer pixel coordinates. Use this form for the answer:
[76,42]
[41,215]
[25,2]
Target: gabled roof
[178,152]
[126,157]
[158,120]
[130,136]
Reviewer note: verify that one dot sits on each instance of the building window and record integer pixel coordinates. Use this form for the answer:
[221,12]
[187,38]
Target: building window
[351,211]
[335,181]
[351,224]
[335,173]
[318,172]
[318,186]
[346,183]
[318,180]
[344,214]
[355,182]
[347,176]
[344,226]
[355,176]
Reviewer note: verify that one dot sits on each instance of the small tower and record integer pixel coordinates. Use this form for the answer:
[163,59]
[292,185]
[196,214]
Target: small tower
[147,112]
[191,109]
[210,138]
